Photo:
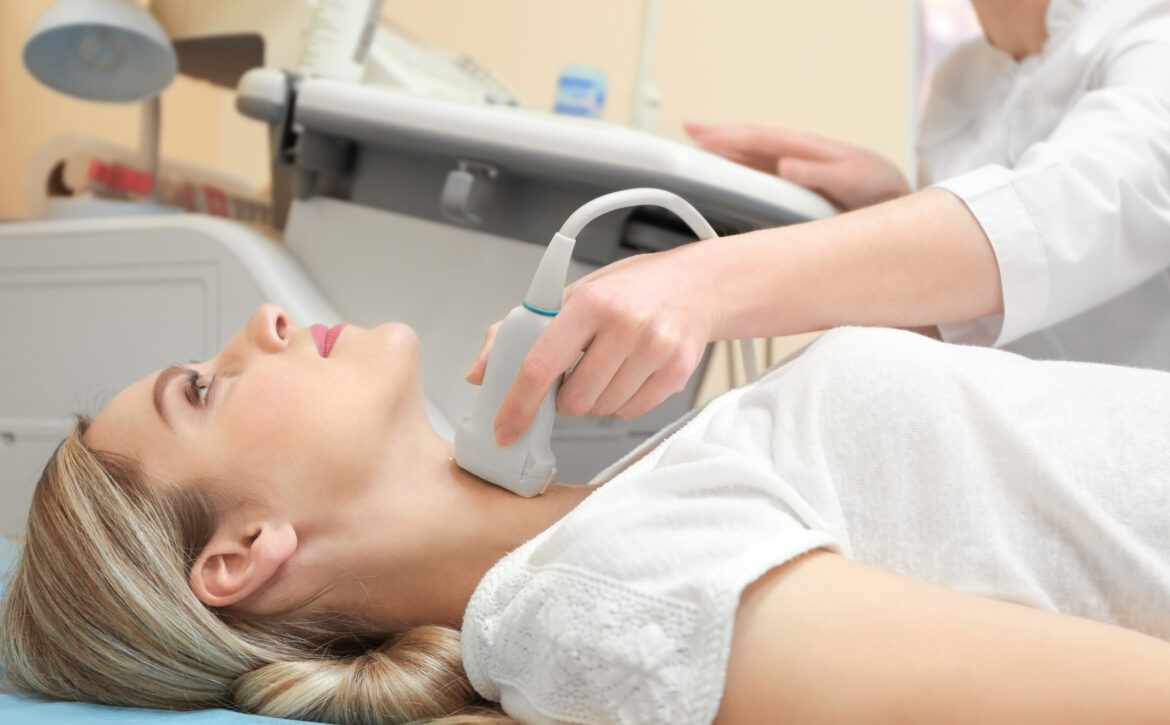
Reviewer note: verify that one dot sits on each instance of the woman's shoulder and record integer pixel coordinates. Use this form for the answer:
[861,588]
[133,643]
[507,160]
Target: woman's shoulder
[889,359]
[622,611]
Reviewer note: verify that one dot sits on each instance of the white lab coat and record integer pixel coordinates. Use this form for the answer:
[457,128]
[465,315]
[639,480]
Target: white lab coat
[1064,159]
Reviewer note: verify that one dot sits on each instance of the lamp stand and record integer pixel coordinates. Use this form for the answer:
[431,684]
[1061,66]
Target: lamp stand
[148,141]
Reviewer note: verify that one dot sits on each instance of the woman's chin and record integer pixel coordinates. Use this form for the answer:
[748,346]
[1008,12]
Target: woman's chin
[401,345]
[400,334]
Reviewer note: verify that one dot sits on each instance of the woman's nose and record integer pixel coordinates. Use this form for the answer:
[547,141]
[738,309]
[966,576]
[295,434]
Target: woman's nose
[269,328]
[266,332]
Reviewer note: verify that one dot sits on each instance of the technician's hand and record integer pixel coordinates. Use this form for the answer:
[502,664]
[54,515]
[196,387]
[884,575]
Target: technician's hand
[848,176]
[642,323]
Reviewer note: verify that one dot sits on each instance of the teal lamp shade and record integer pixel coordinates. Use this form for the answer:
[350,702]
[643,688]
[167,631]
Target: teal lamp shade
[100,50]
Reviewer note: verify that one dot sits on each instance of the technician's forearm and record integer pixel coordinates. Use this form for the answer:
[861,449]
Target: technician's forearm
[918,260]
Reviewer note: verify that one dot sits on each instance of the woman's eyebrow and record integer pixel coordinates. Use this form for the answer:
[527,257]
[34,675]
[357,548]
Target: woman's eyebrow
[160,386]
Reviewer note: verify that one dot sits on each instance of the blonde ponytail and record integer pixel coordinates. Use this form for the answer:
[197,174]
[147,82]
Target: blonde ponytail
[99,609]
[369,688]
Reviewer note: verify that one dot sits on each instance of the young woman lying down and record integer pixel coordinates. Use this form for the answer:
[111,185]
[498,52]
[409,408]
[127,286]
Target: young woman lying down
[884,529]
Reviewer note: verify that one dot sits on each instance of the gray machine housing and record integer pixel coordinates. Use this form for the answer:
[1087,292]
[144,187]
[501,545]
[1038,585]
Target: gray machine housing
[392,207]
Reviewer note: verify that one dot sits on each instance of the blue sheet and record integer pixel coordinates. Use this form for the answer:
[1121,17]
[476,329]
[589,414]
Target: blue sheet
[24,709]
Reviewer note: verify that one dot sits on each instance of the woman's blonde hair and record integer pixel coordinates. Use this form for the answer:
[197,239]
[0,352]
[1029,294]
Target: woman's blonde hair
[99,609]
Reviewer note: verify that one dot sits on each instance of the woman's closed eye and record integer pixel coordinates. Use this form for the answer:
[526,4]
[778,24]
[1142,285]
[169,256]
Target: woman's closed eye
[197,388]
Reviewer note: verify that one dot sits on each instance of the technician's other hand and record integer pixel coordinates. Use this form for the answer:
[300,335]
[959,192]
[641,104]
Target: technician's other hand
[642,322]
[848,176]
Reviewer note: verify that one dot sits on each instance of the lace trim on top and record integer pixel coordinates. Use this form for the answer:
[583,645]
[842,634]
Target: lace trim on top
[634,647]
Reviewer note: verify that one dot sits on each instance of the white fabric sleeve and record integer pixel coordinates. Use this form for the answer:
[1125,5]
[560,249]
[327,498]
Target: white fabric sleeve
[1085,214]
[622,613]
[561,644]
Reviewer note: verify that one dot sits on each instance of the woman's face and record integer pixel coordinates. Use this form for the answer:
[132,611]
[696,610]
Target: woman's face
[279,409]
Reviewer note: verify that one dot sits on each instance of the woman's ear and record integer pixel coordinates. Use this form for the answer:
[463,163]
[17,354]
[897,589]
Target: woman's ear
[240,559]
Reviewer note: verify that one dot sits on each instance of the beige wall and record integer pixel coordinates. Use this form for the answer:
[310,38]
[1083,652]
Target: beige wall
[839,68]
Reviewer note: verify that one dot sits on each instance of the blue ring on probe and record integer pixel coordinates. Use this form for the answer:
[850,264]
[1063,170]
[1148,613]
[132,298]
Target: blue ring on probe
[537,310]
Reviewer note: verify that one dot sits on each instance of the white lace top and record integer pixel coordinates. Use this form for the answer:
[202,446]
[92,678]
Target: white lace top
[631,597]
[1043,483]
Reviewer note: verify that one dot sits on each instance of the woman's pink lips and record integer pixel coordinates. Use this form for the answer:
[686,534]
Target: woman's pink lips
[326,337]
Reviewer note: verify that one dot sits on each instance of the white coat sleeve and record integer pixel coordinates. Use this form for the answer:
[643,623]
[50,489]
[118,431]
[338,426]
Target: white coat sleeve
[1085,214]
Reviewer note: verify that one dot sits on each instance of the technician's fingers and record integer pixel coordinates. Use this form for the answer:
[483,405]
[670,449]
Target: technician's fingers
[698,128]
[475,374]
[593,373]
[819,176]
[625,383]
[746,138]
[551,355]
[657,348]
[657,388]
[759,162]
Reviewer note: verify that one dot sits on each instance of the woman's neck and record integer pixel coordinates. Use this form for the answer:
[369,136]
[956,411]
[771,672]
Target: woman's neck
[1017,27]
[496,522]
[416,546]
